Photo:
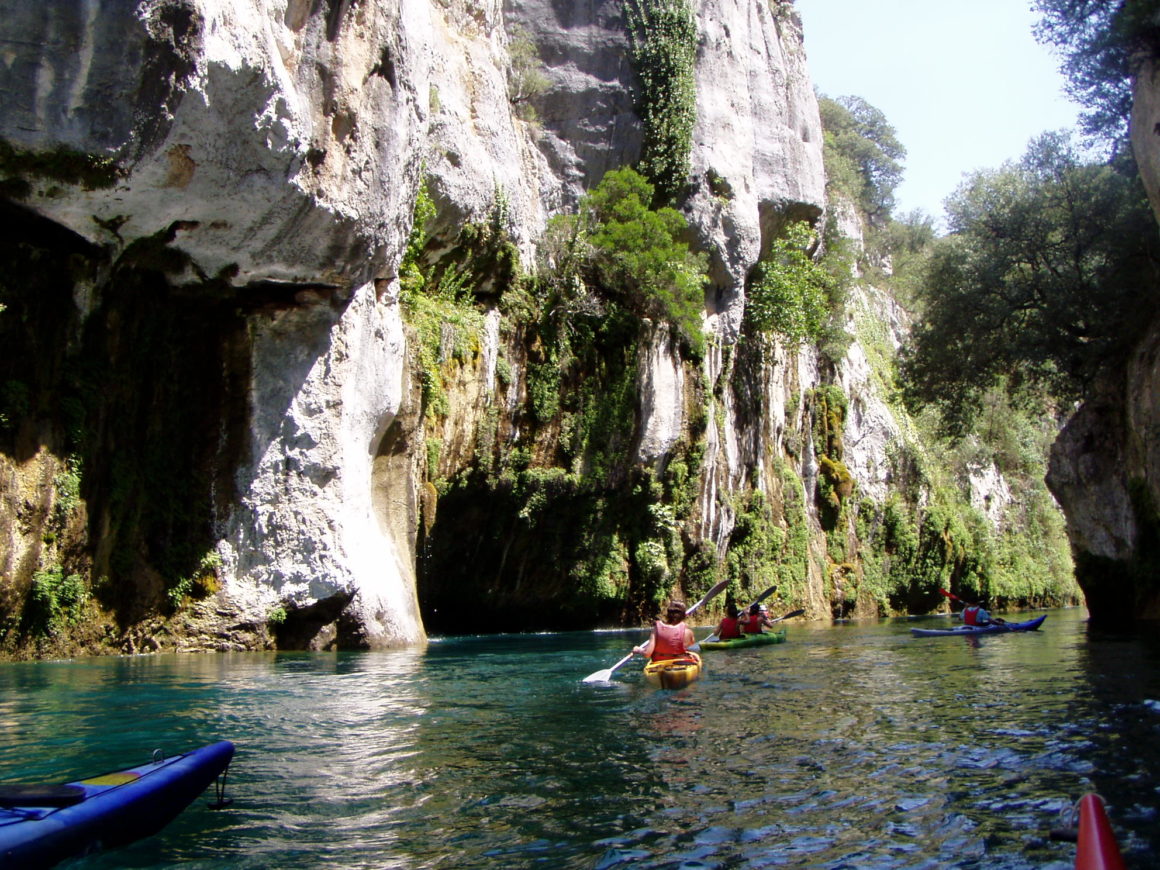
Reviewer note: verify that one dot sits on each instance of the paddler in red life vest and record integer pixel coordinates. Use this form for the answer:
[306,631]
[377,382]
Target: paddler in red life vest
[671,638]
[757,619]
[730,625]
[973,614]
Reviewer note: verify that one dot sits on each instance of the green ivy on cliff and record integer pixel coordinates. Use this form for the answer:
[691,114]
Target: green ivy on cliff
[55,602]
[663,41]
[755,545]
[592,533]
[439,293]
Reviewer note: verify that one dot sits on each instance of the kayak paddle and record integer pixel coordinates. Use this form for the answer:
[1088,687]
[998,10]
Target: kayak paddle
[697,646]
[789,615]
[605,675]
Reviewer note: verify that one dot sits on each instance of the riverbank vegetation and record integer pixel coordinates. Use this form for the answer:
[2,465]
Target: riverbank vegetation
[938,528]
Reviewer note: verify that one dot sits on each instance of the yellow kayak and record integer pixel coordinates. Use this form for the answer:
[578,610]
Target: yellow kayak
[674,673]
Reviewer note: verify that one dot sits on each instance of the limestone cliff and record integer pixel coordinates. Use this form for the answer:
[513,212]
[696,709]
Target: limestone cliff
[218,419]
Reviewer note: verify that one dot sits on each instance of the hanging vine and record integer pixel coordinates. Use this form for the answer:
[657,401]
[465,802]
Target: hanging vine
[663,41]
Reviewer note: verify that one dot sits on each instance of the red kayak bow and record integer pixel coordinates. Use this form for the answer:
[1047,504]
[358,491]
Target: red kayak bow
[1096,848]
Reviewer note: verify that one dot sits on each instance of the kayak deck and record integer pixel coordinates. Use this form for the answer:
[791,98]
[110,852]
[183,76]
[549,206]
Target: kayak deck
[970,630]
[674,673]
[747,640]
[42,825]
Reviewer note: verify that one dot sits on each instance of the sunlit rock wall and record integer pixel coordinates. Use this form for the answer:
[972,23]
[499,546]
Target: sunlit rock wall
[279,145]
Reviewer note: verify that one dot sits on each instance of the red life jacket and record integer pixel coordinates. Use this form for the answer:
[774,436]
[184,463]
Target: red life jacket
[670,640]
[730,628]
[752,624]
[971,614]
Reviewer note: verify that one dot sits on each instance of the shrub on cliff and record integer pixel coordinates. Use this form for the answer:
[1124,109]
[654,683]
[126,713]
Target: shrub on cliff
[638,256]
[789,292]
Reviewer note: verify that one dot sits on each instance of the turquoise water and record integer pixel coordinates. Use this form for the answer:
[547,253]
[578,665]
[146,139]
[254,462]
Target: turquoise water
[849,746]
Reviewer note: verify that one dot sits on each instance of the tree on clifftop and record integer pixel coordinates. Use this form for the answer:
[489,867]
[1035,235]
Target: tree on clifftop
[1051,269]
[1103,42]
[862,154]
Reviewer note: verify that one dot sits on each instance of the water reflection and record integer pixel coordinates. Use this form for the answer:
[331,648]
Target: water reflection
[856,746]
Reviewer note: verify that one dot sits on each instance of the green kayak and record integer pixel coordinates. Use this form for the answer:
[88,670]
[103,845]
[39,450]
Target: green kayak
[748,640]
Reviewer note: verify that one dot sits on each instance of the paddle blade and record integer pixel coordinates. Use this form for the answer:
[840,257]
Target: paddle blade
[716,590]
[605,675]
[789,615]
[762,597]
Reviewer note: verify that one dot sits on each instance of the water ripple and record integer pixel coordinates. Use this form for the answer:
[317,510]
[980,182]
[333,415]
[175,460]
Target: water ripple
[854,746]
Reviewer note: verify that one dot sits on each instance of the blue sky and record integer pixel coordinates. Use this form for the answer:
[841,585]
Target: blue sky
[965,85]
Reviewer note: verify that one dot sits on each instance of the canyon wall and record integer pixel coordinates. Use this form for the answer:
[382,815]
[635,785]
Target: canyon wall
[1105,466]
[235,185]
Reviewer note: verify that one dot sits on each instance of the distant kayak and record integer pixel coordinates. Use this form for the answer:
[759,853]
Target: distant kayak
[1003,628]
[674,673]
[747,640]
[41,825]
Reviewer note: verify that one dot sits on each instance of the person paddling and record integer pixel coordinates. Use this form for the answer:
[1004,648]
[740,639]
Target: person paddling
[974,614]
[757,620]
[730,625]
[671,638]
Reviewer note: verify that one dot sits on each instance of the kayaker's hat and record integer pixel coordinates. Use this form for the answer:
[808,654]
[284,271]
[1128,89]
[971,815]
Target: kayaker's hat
[764,609]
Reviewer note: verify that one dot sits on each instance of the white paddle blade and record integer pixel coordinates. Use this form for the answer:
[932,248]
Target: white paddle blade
[605,675]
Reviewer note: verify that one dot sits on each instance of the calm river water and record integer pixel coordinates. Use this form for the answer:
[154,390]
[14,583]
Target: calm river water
[849,746]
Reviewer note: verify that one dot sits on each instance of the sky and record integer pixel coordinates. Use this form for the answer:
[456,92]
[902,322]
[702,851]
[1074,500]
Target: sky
[965,85]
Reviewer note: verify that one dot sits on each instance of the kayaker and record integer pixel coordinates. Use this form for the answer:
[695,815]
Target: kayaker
[670,638]
[974,614]
[730,625]
[757,619]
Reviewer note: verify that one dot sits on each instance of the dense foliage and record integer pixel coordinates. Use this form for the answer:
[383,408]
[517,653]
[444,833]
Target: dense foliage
[1051,268]
[637,254]
[556,499]
[789,293]
[1103,42]
[663,39]
[862,156]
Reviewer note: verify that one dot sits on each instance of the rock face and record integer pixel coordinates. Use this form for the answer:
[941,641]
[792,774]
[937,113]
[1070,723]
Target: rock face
[278,141]
[1105,466]
[279,147]
[261,160]
[1105,472]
